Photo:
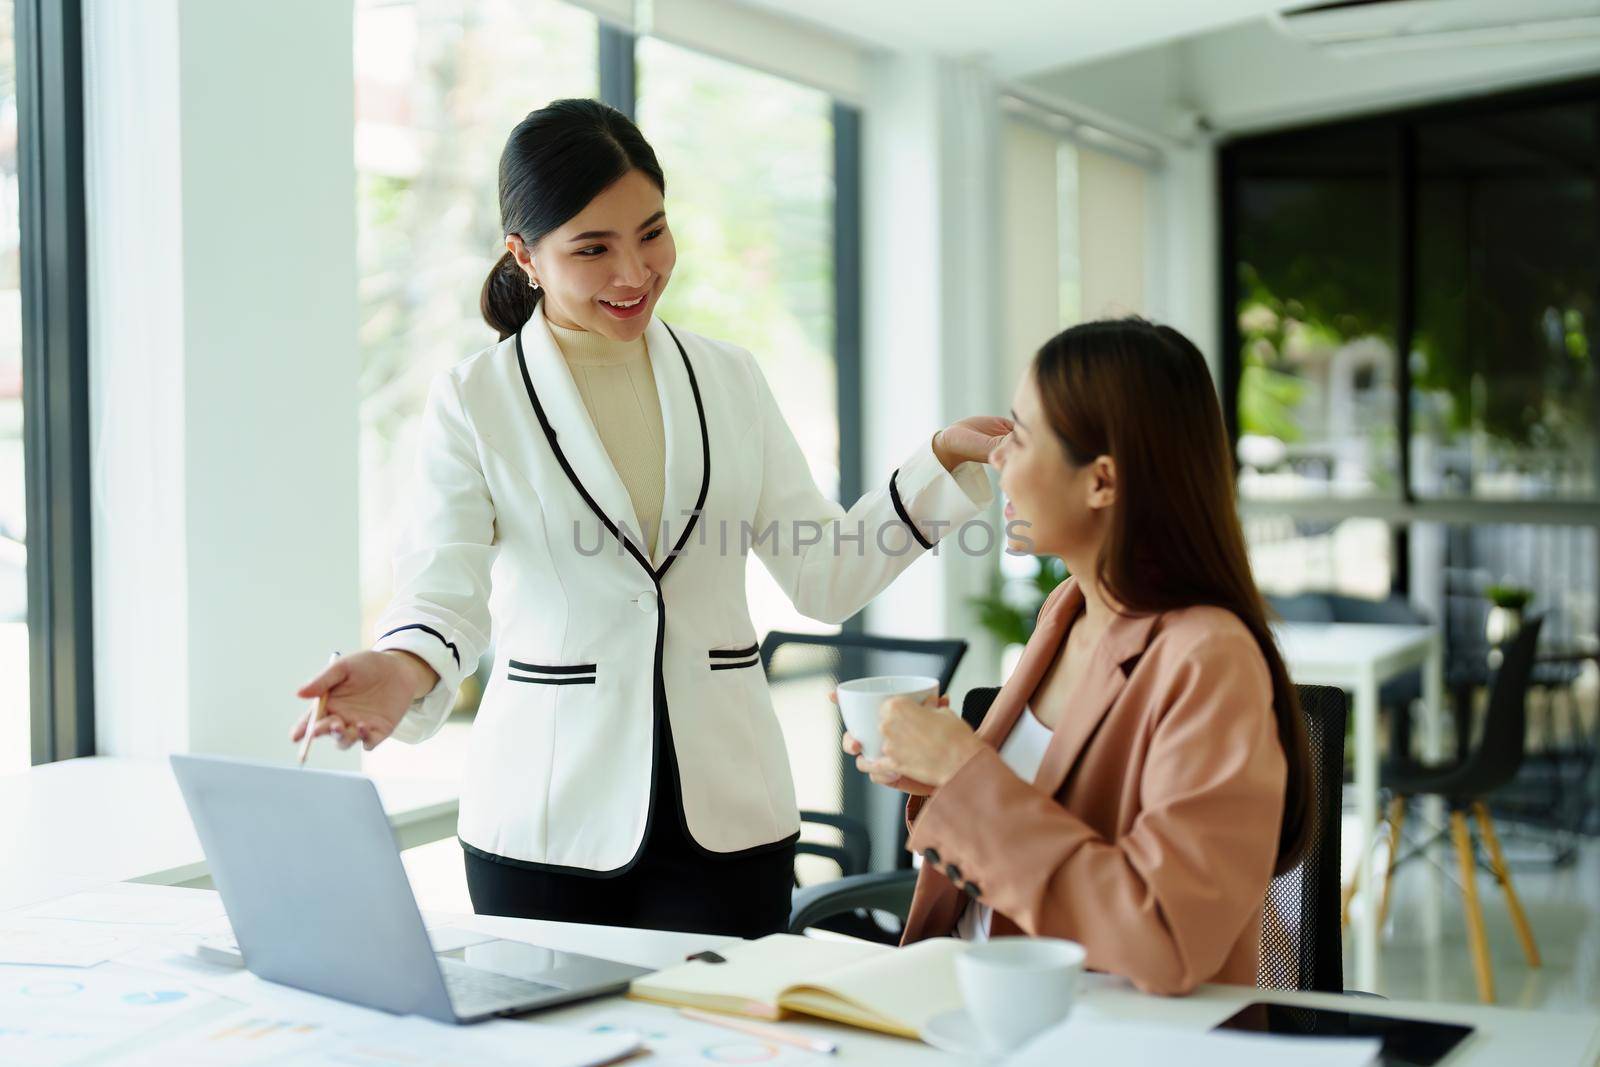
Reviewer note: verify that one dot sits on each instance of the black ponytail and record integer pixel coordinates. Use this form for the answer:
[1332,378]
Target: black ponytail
[507,300]
[557,160]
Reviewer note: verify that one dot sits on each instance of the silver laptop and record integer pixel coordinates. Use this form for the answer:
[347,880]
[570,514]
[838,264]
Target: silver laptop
[311,878]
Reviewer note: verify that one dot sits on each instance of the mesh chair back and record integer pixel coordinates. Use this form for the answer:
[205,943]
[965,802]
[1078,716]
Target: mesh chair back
[1300,937]
[801,669]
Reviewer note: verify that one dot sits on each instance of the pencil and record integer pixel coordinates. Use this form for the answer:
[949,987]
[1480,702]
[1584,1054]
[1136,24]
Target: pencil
[765,1033]
[313,717]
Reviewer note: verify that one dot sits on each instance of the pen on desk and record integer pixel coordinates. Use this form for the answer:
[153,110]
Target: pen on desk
[314,716]
[765,1033]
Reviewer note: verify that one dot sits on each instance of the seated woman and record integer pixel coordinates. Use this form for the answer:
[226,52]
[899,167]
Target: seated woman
[1144,772]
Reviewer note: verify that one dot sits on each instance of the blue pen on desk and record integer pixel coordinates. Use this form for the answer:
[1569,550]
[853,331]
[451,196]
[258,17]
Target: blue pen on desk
[314,716]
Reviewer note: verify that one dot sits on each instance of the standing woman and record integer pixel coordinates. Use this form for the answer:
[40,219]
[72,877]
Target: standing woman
[591,486]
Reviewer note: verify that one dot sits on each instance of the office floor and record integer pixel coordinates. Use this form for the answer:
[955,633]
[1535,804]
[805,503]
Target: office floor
[1563,906]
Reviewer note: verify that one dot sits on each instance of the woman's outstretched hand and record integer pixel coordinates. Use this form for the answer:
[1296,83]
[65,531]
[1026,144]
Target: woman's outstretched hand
[971,440]
[367,695]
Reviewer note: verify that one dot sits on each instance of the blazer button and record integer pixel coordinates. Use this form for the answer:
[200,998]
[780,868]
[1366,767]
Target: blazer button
[930,856]
[646,601]
[953,873]
[971,889]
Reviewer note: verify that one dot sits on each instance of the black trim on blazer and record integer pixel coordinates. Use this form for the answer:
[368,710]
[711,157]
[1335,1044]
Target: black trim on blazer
[705,466]
[586,679]
[557,668]
[454,651]
[656,573]
[733,666]
[900,509]
[734,653]
[662,723]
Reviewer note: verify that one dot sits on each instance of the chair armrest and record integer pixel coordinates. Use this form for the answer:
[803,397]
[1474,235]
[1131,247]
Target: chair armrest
[856,842]
[882,891]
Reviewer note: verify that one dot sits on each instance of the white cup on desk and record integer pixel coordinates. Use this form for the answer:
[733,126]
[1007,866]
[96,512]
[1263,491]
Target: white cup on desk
[1017,987]
[860,698]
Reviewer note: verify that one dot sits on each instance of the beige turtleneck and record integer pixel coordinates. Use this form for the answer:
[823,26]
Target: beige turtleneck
[619,390]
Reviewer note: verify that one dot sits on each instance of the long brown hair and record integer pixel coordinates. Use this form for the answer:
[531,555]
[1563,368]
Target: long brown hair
[1142,394]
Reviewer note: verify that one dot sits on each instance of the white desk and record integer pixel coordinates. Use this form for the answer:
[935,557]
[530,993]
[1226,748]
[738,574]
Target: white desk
[1503,1035]
[1358,658]
[110,819]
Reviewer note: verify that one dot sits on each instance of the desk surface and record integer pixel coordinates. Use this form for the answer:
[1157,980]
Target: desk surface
[1351,646]
[1503,1035]
[111,819]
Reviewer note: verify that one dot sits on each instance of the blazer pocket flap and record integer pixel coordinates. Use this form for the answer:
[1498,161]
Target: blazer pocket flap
[551,673]
[728,659]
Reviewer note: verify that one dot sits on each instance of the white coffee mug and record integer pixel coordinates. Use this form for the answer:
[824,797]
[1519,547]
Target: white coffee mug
[860,699]
[1017,987]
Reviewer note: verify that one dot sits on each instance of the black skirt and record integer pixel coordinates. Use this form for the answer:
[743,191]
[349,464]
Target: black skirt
[675,885]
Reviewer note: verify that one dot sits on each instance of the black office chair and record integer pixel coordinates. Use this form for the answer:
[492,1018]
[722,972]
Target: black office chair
[1464,784]
[1300,941]
[801,669]
[1300,935]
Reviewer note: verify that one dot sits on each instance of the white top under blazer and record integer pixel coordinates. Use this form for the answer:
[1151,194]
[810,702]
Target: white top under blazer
[520,518]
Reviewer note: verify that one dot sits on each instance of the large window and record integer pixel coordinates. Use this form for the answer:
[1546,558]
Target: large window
[439,86]
[1315,266]
[1504,388]
[749,165]
[1467,238]
[1410,306]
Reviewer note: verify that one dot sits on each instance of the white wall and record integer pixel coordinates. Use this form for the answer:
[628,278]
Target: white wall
[222,227]
[932,333]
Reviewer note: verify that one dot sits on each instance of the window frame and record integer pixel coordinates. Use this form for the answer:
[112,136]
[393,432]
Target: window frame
[55,372]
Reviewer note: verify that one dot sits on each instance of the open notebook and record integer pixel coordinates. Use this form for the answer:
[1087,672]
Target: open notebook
[877,987]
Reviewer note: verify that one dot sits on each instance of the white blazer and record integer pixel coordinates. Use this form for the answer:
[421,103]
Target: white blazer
[521,519]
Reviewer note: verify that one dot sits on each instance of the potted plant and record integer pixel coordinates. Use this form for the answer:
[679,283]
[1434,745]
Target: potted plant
[1507,604]
[1010,608]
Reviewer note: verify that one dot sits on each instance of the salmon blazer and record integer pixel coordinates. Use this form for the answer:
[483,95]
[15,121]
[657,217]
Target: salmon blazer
[1150,832]
[523,531]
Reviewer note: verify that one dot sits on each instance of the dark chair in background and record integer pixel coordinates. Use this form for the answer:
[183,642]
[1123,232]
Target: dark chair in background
[1490,764]
[801,669]
[1300,939]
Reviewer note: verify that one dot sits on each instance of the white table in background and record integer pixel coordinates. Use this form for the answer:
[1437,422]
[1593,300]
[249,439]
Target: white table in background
[114,819]
[1358,658]
[1503,1035]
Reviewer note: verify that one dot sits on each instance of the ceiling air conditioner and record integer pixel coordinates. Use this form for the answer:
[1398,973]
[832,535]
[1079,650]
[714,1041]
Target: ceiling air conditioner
[1369,27]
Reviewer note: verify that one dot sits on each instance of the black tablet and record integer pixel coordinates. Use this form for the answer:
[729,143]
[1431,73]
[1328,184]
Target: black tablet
[1406,1042]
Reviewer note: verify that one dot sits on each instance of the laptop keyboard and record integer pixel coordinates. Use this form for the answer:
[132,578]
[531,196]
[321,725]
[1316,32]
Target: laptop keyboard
[474,990]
